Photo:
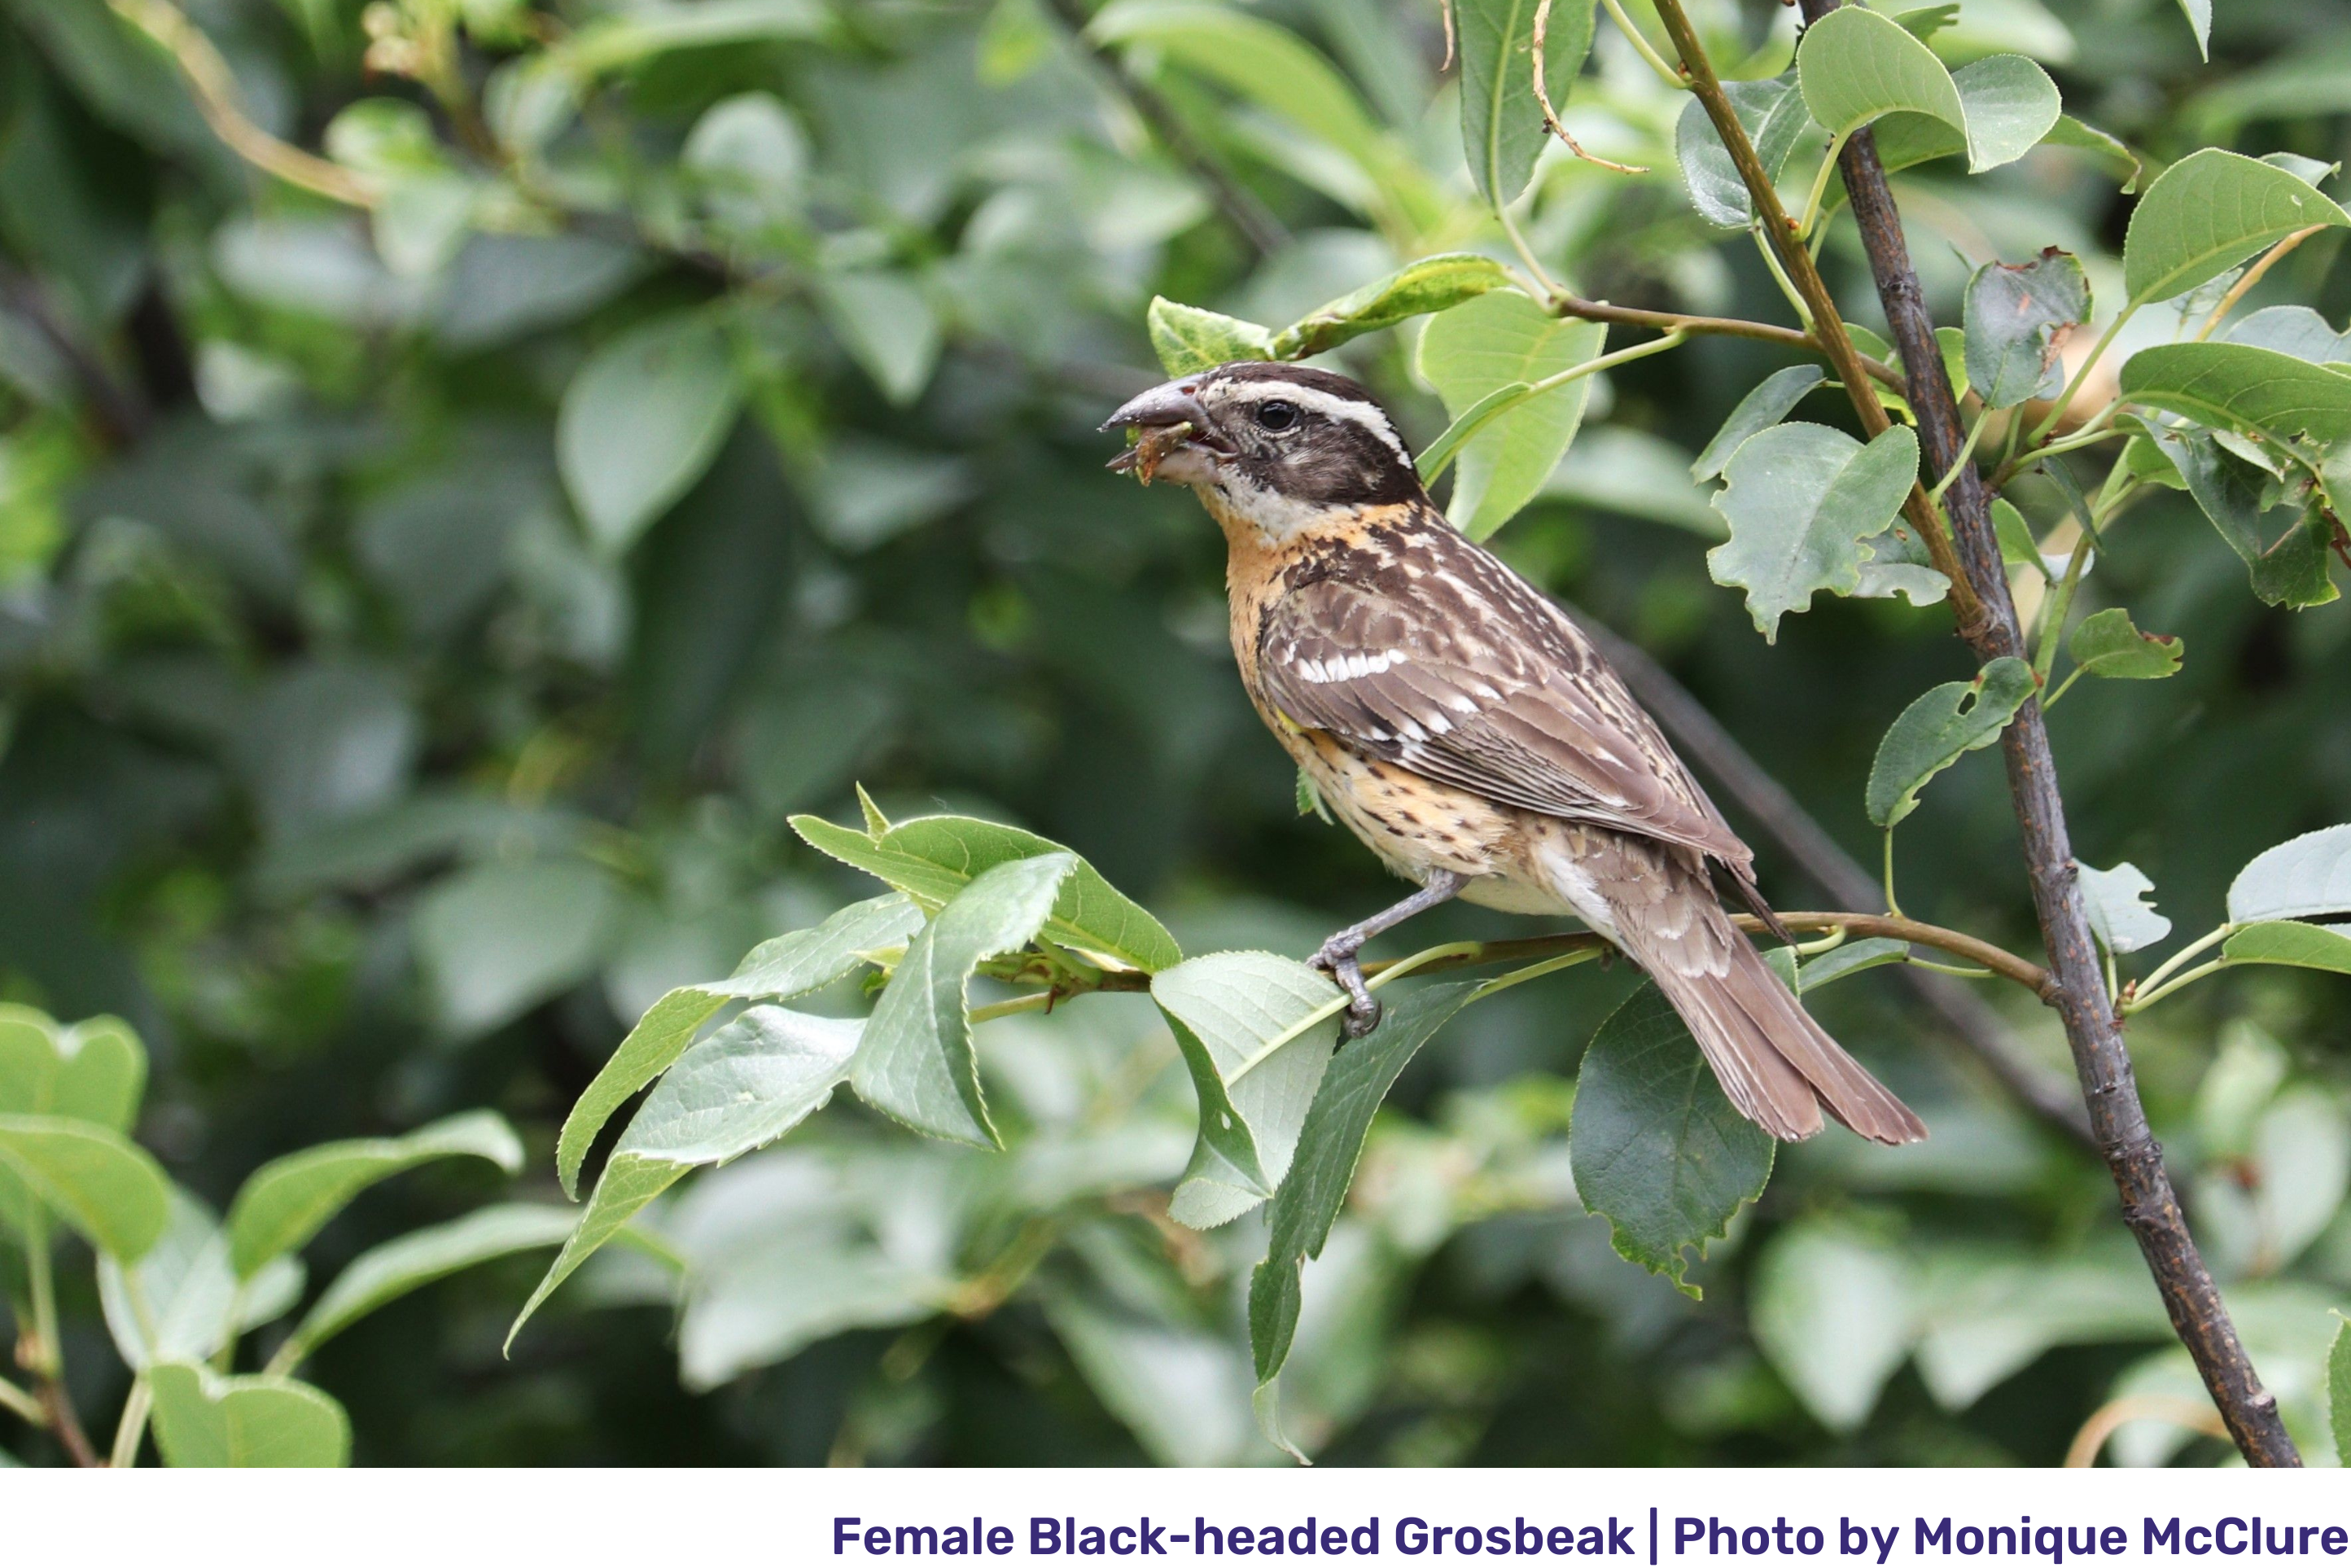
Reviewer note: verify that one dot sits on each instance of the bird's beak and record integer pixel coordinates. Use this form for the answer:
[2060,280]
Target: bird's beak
[1176,437]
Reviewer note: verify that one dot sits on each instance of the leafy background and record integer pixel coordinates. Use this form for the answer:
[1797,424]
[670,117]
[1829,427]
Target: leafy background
[416,631]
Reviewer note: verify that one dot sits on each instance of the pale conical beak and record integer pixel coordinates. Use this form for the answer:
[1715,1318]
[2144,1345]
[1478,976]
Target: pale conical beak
[1170,402]
[1175,432]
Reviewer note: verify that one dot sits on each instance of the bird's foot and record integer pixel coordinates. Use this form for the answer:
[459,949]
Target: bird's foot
[1337,958]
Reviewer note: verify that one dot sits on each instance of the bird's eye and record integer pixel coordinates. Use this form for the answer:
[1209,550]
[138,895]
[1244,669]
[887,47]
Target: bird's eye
[1275,414]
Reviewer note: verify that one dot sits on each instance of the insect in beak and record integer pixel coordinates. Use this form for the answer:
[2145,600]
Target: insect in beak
[1170,426]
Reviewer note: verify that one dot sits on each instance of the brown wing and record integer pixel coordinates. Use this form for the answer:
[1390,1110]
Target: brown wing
[1441,660]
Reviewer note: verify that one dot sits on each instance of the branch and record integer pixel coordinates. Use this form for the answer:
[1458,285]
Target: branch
[220,101]
[2114,1414]
[1828,325]
[1567,304]
[68,1425]
[115,411]
[1542,96]
[1783,819]
[20,1405]
[1026,968]
[1240,205]
[2101,1059]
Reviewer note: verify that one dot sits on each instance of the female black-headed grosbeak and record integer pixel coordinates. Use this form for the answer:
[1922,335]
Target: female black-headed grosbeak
[1468,732]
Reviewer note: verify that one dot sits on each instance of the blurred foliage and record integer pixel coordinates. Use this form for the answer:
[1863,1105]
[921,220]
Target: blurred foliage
[417,625]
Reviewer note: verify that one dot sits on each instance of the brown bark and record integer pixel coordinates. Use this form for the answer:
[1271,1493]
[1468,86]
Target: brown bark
[2092,1031]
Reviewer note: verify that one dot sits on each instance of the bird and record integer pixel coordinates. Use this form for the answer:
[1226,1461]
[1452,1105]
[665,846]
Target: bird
[1469,732]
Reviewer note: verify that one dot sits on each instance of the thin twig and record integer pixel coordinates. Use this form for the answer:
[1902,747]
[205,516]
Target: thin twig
[1240,205]
[67,1426]
[2253,275]
[118,415]
[1827,323]
[1642,46]
[2004,963]
[1701,737]
[2101,1059]
[222,104]
[1542,96]
[20,1405]
[2115,1414]
[1568,304]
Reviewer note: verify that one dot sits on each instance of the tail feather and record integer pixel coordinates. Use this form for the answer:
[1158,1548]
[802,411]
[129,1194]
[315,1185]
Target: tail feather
[1778,1067]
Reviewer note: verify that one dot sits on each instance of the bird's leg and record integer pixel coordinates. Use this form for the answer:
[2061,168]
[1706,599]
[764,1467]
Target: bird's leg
[1337,957]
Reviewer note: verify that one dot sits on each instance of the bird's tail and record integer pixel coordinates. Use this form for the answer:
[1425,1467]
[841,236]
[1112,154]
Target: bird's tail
[1780,1069]
[1778,1066]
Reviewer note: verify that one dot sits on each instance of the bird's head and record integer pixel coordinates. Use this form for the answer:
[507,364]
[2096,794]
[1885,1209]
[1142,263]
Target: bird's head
[1278,444]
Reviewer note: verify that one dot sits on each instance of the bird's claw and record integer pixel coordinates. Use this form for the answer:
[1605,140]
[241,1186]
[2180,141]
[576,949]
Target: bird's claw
[1339,961]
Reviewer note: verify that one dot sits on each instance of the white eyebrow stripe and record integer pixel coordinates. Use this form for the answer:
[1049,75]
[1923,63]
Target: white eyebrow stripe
[1370,415]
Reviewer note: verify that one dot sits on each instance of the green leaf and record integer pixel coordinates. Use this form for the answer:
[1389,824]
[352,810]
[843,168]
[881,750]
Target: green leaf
[1473,350]
[181,1301]
[2205,214]
[2112,150]
[1264,62]
[2338,1392]
[1850,958]
[623,40]
[1986,1313]
[93,1071]
[916,1064]
[106,1188]
[1224,1008]
[1329,1145]
[1773,115]
[933,858]
[1768,403]
[1802,501]
[288,1200]
[2019,318]
[495,941]
[204,1421]
[1188,340]
[2297,878]
[384,1273]
[1182,1390]
[2108,645]
[1935,731]
[1833,1311]
[2292,943]
[2199,19]
[2017,545]
[2252,390]
[746,1086]
[1925,21]
[2313,170]
[1854,65]
[1279,72]
[1502,129]
[1439,454]
[2291,570]
[777,971]
[2010,105]
[2294,330]
[2122,917]
[1655,1144]
[1309,799]
[1430,285]
[887,324]
[642,420]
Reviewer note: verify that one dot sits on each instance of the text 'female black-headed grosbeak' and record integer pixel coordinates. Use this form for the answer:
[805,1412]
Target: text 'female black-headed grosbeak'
[1465,729]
